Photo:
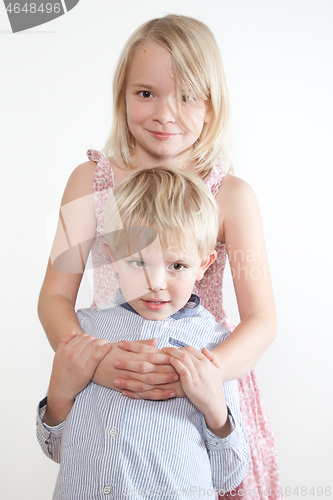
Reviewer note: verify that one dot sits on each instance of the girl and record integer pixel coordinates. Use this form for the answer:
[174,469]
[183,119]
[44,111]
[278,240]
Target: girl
[171,107]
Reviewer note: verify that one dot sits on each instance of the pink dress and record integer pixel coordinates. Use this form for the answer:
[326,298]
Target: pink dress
[263,474]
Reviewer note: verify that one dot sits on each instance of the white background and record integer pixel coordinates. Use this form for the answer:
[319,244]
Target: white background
[55,94]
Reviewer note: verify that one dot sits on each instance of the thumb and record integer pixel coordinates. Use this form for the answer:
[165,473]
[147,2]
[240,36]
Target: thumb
[66,340]
[214,359]
[151,342]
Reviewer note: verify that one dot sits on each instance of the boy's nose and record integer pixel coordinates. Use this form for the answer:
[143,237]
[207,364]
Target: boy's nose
[156,280]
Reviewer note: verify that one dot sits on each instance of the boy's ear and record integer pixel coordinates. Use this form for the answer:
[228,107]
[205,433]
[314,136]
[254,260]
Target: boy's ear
[205,265]
[107,250]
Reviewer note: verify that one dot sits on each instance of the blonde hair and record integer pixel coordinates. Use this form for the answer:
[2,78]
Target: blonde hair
[175,205]
[197,67]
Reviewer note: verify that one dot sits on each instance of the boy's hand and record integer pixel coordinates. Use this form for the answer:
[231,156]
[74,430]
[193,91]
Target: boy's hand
[139,370]
[74,365]
[155,368]
[202,382]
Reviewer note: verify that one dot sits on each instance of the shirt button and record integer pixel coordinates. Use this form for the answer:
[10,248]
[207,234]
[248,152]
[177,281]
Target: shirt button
[107,490]
[113,432]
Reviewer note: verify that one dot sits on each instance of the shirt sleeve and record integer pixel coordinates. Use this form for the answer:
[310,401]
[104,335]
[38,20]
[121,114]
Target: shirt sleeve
[49,438]
[229,456]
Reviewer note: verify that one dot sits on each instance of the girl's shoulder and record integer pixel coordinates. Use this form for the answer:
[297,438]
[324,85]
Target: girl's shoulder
[237,203]
[233,187]
[80,182]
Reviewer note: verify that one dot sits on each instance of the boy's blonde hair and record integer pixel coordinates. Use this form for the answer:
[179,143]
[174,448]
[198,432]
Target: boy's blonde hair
[197,67]
[175,205]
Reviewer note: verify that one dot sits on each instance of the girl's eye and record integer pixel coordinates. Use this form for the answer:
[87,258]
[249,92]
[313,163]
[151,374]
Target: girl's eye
[145,93]
[188,98]
[138,264]
[177,267]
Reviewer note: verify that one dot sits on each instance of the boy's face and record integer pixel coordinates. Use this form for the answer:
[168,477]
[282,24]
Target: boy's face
[159,281]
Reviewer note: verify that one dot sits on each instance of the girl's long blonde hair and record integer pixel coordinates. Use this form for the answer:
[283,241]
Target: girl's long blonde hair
[197,67]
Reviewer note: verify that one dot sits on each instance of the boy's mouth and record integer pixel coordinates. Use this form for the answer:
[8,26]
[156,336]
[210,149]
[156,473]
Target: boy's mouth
[155,305]
[157,301]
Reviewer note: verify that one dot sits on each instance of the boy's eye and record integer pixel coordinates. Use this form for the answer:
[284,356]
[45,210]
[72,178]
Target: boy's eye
[177,267]
[145,93]
[138,264]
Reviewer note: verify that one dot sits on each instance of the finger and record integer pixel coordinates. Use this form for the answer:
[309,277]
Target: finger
[185,372]
[82,347]
[131,385]
[163,375]
[150,380]
[193,352]
[140,386]
[100,353]
[151,342]
[155,394]
[130,394]
[91,345]
[184,356]
[66,340]
[142,346]
[81,339]
[143,366]
[96,356]
[211,356]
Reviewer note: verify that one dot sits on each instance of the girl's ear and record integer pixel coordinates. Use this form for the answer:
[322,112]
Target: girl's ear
[205,265]
[107,250]
[208,114]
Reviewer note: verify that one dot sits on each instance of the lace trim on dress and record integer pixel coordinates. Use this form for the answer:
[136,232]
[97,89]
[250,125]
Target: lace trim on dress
[215,176]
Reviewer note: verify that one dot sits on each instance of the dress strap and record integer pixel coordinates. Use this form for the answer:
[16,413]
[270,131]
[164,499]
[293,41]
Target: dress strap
[215,176]
[104,176]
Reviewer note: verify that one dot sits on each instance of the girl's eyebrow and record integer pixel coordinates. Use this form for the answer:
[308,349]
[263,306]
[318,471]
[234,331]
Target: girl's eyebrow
[142,85]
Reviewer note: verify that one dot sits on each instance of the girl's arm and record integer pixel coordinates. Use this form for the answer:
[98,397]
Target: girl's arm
[242,232]
[77,224]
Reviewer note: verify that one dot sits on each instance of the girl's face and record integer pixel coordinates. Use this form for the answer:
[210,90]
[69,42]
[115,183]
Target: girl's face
[151,109]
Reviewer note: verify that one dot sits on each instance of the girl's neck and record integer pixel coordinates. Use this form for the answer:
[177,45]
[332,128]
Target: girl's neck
[182,162]
[121,173]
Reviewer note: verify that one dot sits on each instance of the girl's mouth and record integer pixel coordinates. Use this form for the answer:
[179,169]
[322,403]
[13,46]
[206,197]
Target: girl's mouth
[163,136]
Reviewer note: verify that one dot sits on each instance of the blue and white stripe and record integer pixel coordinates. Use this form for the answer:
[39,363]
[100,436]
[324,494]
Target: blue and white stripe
[116,447]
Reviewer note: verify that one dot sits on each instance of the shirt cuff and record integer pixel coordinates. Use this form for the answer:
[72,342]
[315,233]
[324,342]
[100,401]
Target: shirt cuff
[47,431]
[216,443]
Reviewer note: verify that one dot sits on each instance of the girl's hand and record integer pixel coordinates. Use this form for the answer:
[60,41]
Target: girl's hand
[139,370]
[74,365]
[202,381]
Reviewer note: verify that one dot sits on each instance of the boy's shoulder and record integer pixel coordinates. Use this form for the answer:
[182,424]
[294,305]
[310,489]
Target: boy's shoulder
[204,315]
[200,329]
[105,313]
[110,309]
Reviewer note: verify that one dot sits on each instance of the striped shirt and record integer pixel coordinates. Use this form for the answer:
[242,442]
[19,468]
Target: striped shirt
[115,447]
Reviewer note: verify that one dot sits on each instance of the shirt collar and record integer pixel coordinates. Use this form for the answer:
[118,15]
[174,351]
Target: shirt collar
[189,310]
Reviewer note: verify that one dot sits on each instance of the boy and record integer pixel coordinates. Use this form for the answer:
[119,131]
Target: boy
[161,229]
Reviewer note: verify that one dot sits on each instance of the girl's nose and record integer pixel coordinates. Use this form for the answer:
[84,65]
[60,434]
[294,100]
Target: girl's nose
[164,112]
